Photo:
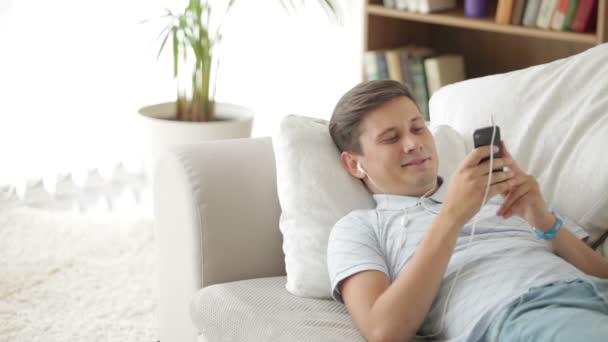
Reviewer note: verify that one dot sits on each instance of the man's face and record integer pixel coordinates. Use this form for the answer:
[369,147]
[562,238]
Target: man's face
[398,150]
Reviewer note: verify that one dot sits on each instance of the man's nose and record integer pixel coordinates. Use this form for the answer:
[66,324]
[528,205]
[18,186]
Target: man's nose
[410,144]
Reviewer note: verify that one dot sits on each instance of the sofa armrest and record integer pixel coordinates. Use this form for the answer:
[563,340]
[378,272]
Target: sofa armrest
[217,220]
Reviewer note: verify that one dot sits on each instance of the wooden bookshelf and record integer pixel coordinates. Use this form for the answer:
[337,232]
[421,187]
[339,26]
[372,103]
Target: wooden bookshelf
[487,47]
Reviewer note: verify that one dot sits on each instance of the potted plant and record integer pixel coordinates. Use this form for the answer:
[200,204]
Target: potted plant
[195,116]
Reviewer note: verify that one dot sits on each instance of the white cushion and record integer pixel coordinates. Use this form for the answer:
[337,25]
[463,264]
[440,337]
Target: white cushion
[554,119]
[315,191]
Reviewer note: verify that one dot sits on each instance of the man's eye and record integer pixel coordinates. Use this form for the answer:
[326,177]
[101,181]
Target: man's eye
[417,130]
[392,139]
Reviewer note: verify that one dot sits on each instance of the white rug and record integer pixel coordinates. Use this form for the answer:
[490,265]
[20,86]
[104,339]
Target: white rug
[66,277]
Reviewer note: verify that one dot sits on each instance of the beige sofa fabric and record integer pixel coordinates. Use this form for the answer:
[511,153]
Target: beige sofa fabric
[217,220]
[263,310]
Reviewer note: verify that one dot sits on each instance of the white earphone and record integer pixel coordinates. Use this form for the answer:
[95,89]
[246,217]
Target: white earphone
[360,168]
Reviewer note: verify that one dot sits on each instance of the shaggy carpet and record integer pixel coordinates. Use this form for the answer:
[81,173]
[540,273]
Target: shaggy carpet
[67,277]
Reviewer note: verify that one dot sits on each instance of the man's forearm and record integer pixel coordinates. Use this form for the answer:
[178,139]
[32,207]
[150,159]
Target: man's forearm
[576,252]
[401,309]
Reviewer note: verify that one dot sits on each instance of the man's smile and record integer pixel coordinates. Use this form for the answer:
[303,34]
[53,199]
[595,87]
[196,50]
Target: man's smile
[416,162]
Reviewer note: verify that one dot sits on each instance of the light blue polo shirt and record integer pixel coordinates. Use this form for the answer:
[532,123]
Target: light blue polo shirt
[504,260]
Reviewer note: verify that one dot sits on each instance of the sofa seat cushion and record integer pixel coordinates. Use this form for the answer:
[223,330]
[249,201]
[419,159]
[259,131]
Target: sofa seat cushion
[263,310]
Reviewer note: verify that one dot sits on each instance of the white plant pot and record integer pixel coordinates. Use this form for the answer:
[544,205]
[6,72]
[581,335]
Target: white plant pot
[165,132]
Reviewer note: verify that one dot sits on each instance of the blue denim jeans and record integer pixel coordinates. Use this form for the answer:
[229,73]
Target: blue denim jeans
[563,311]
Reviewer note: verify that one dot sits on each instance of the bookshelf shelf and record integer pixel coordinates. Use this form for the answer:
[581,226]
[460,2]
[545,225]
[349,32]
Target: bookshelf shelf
[456,18]
[486,46]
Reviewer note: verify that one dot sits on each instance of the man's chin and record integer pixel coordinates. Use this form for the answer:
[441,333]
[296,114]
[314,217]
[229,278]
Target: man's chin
[420,178]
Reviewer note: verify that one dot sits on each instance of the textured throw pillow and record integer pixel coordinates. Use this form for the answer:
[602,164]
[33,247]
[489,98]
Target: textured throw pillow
[554,119]
[315,191]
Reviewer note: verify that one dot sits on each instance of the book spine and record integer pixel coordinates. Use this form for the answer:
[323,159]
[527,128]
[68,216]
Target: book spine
[504,12]
[424,6]
[382,65]
[420,88]
[531,12]
[412,5]
[401,4]
[371,66]
[518,12]
[583,15]
[569,20]
[546,13]
[560,14]
[433,81]
[405,72]
[389,3]
[394,65]
[428,6]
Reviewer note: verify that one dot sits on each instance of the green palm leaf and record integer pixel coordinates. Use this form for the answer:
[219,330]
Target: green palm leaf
[191,40]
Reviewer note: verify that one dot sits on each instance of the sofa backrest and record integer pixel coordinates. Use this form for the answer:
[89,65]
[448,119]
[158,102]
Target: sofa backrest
[554,119]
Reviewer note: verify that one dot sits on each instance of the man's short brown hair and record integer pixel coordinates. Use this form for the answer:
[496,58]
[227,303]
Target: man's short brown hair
[345,122]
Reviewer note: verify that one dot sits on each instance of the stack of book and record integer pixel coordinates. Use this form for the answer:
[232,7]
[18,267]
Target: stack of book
[418,67]
[561,15]
[422,6]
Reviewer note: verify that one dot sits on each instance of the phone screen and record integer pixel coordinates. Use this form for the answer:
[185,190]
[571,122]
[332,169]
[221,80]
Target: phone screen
[483,137]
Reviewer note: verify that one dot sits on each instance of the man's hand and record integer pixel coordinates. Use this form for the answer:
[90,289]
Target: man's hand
[524,198]
[468,185]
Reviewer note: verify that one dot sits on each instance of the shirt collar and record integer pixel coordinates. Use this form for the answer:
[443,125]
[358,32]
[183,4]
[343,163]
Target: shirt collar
[390,201]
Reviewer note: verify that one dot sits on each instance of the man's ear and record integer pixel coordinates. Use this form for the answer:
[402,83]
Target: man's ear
[349,162]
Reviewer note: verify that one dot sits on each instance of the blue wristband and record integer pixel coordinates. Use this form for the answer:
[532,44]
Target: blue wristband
[552,232]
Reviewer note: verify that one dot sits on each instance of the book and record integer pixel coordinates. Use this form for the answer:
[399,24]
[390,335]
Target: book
[570,14]
[404,54]
[412,5]
[405,71]
[394,65]
[389,3]
[443,70]
[401,4]
[428,6]
[582,19]
[375,64]
[531,12]
[370,66]
[404,64]
[419,87]
[382,65]
[560,14]
[518,12]
[545,13]
[504,12]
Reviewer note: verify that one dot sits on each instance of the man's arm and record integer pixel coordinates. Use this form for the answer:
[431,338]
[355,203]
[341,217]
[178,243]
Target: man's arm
[524,199]
[576,252]
[394,312]
[391,312]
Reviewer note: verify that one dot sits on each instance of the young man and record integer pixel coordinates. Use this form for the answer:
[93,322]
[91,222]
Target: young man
[395,267]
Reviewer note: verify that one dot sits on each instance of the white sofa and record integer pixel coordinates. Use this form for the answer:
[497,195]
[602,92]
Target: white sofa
[221,265]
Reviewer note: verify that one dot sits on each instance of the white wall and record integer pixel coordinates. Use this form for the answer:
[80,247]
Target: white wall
[73,73]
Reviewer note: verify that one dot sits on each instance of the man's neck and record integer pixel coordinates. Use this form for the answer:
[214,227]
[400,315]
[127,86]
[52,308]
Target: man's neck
[436,184]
